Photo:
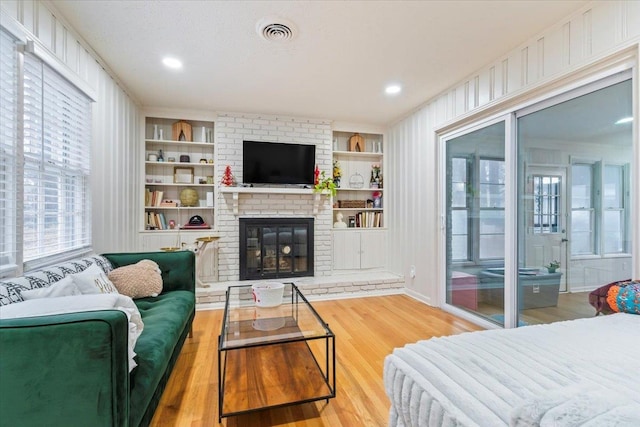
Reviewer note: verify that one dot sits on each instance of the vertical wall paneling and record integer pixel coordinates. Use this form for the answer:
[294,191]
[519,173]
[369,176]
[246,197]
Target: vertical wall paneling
[524,66]
[505,77]
[566,45]
[58,40]
[588,35]
[27,15]
[540,60]
[492,83]
[467,96]
[622,24]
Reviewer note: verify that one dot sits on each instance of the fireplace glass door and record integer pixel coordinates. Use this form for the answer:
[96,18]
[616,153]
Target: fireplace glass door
[276,248]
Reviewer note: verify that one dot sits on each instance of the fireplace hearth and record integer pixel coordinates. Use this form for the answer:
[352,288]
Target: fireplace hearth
[272,248]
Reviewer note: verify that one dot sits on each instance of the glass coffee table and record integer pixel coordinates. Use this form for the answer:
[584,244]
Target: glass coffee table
[271,357]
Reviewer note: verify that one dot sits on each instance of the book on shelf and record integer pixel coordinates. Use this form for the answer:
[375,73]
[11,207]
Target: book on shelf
[153,198]
[156,221]
[368,219]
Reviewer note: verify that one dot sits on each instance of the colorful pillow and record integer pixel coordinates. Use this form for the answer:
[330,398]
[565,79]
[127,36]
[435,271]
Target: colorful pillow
[62,288]
[139,280]
[624,297]
[94,281]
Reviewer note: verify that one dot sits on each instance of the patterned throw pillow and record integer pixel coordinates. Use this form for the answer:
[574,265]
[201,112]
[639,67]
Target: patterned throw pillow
[62,288]
[11,289]
[625,297]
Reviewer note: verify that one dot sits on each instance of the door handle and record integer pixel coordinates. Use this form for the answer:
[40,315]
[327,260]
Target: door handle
[564,240]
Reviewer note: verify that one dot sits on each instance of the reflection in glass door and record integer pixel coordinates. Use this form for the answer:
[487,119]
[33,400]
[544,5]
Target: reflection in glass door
[475,221]
[573,201]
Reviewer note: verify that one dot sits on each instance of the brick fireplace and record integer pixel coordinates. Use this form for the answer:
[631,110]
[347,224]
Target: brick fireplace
[276,203]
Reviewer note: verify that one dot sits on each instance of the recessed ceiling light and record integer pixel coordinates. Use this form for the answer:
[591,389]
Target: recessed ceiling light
[393,89]
[625,120]
[172,62]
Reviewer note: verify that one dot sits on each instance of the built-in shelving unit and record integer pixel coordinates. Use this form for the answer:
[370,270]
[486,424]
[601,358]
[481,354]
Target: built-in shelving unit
[359,233]
[359,194]
[178,155]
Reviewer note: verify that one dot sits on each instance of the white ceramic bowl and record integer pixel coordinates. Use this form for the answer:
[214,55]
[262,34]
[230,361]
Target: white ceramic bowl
[268,294]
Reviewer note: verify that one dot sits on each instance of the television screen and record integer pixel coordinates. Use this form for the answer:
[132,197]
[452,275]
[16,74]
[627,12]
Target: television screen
[277,163]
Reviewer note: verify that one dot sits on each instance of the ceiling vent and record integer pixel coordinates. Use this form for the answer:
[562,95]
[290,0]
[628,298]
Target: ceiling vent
[275,29]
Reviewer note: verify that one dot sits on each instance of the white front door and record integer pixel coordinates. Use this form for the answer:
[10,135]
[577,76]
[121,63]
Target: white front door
[546,219]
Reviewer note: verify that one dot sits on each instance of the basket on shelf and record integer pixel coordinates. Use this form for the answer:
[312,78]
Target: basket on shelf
[358,204]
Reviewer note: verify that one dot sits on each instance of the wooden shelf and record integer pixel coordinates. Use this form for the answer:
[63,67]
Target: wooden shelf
[171,184]
[166,142]
[173,164]
[361,154]
[360,189]
[359,209]
[177,208]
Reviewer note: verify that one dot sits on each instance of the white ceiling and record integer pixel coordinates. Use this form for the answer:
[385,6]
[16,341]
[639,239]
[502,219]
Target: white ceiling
[336,67]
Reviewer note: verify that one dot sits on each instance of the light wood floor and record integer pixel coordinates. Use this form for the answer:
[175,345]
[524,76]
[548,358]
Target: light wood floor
[570,306]
[366,329]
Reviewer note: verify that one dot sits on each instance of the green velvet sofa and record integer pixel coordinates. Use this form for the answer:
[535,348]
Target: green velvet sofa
[72,369]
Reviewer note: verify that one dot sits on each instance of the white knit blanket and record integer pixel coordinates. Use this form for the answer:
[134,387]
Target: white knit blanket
[519,377]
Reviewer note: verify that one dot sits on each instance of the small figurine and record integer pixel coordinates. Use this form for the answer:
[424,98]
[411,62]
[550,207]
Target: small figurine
[339,222]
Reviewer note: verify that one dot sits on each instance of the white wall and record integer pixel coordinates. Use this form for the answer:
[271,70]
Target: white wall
[586,37]
[114,168]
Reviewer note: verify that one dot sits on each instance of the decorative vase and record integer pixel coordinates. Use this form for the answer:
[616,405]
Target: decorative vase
[189,197]
[551,270]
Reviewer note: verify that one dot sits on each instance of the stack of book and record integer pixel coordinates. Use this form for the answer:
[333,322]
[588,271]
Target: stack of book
[156,221]
[153,198]
[368,219]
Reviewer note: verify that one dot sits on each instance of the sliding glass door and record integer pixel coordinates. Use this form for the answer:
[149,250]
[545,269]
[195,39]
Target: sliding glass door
[574,230]
[537,206]
[475,221]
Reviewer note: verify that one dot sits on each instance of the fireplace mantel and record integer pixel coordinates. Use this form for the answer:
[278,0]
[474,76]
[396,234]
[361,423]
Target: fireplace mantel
[237,191]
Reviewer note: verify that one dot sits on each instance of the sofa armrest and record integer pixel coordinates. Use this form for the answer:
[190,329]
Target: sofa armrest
[65,370]
[178,268]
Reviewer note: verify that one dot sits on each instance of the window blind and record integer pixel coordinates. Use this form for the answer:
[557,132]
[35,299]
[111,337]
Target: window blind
[57,131]
[8,151]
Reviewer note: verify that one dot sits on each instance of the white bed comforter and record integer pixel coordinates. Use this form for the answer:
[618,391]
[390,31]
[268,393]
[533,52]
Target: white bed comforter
[581,372]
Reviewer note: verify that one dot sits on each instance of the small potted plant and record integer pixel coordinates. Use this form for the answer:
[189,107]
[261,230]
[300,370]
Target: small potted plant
[553,266]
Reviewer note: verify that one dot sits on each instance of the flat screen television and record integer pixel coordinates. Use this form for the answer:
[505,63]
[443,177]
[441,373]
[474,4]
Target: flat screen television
[277,163]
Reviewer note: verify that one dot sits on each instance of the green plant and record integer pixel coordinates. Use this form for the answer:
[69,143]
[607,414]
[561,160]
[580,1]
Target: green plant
[325,183]
[553,265]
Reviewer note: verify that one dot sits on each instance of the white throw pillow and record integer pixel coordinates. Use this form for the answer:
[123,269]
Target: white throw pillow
[80,303]
[62,288]
[94,281]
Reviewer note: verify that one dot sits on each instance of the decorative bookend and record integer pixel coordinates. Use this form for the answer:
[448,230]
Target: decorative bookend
[356,143]
[182,131]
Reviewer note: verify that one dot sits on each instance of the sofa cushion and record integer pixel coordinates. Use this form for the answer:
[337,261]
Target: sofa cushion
[165,318]
[11,289]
